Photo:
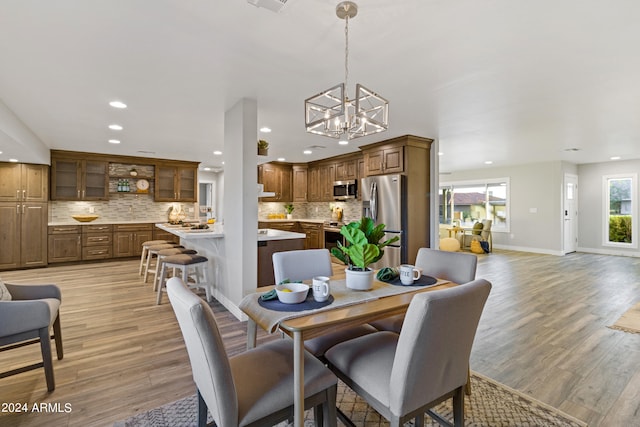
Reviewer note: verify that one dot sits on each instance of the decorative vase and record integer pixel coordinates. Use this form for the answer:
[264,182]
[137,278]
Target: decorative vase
[263,151]
[182,215]
[173,215]
[359,280]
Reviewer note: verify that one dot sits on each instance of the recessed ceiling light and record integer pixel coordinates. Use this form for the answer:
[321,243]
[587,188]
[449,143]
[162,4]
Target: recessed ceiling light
[265,129]
[488,162]
[281,159]
[343,142]
[217,153]
[0,152]
[13,160]
[440,153]
[118,104]
[307,151]
[615,157]
[114,141]
[206,168]
[223,163]
[115,127]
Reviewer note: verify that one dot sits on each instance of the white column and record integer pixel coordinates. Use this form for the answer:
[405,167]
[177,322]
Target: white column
[240,199]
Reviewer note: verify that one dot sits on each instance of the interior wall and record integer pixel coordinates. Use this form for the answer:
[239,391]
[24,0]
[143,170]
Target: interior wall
[591,202]
[535,204]
[17,141]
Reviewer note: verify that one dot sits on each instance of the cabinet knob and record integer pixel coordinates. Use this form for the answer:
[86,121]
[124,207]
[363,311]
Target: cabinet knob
[24,194]
[17,194]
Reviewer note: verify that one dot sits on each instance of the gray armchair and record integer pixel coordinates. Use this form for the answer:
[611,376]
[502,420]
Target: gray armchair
[27,319]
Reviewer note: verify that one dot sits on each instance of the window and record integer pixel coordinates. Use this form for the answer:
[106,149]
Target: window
[620,210]
[464,203]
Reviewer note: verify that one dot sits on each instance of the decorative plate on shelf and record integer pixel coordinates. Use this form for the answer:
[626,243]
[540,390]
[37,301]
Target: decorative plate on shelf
[142,185]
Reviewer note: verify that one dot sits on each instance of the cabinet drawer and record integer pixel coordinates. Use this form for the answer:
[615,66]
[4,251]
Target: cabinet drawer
[133,227]
[64,229]
[96,252]
[96,239]
[101,228]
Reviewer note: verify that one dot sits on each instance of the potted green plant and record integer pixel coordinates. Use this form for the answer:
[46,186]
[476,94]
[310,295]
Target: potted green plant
[263,147]
[289,208]
[364,247]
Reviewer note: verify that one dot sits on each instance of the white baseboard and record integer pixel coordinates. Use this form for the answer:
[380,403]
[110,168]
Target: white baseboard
[600,251]
[529,249]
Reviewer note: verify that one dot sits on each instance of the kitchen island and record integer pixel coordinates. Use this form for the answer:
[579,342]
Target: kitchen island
[211,243]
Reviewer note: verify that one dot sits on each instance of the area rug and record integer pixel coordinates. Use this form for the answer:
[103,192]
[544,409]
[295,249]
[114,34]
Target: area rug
[490,404]
[629,321]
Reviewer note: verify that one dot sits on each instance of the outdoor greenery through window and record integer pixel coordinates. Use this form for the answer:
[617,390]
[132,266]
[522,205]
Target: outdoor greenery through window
[464,203]
[620,209]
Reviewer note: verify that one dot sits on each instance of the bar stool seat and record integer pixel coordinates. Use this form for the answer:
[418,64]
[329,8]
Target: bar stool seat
[145,249]
[153,250]
[184,262]
[161,255]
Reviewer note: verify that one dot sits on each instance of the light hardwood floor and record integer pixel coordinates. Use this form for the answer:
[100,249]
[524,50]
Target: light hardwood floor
[544,332]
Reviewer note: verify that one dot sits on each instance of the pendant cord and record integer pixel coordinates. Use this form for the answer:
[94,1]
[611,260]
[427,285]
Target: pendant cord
[346,57]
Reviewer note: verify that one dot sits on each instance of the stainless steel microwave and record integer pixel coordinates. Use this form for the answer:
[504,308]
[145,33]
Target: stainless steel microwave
[343,190]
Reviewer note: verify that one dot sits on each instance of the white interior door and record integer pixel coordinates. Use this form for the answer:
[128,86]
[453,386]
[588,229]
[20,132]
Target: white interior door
[570,213]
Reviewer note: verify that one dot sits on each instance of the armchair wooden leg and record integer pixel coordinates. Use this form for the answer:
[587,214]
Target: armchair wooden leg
[45,347]
[57,332]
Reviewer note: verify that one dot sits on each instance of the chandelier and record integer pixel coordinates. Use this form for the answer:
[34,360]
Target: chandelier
[331,113]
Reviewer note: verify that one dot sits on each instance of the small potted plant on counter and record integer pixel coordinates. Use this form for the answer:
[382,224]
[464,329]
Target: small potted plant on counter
[289,208]
[363,248]
[263,147]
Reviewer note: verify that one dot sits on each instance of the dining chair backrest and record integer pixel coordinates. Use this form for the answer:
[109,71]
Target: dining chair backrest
[454,266]
[209,361]
[432,354]
[301,264]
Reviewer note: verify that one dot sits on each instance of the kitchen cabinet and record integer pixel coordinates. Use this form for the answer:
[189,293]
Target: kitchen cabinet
[299,183]
[276,178]
[327,178]
[159,234]
[78,179]
[24,182]
[97,241]
[64,243]
[314,234]
[266,249]
[347,170]
[23,234]
[313,184]
[384,160]
[176,183]
[128,239]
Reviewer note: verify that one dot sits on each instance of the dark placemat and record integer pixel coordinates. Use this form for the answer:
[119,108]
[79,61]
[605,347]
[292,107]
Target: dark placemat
[422,281]
[308,304]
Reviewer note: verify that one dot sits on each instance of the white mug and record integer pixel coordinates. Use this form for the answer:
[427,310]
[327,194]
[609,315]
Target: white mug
[409,273]
[320,288]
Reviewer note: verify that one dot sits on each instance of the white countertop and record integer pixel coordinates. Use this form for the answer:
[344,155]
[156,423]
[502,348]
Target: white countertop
[217,231]
[318,221]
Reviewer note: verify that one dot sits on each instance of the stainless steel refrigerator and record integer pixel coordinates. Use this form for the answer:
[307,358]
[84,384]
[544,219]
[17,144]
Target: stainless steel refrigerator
[384,201]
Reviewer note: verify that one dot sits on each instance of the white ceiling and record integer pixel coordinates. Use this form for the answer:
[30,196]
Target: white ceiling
[510,81]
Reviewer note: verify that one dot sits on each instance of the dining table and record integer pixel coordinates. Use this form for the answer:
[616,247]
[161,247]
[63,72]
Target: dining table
[345,308]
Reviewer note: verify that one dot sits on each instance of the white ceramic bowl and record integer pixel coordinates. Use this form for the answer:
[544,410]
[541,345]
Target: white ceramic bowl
[297,295]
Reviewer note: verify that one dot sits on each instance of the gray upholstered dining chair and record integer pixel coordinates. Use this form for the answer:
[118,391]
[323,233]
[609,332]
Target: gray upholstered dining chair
[403,376]
[27,319]
[253,388]
[304,265]
[457,267]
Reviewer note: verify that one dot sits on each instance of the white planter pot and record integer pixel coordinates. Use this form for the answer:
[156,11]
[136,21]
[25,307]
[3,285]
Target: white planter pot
[289,216]
[359,280]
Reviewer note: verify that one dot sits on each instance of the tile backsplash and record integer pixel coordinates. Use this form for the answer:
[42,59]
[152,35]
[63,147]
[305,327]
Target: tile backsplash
[352,209]
[124,207]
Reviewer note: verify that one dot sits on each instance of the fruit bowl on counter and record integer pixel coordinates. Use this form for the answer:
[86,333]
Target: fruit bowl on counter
[85,218]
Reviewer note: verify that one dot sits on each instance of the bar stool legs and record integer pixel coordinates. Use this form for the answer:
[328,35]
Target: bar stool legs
[184,262]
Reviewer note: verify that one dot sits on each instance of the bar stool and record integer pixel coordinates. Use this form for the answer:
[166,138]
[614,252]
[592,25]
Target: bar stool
[184,262]
[161,255]
[153,250]
[145,250]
